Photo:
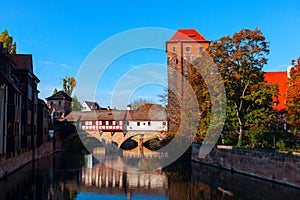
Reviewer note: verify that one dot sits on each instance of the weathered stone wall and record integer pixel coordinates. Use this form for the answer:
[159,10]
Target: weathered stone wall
[279,167]
[11,162]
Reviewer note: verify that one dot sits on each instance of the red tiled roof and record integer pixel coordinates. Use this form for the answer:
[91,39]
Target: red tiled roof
[188,35]
[95,115]
[146,115]
[131,115]
[281,79]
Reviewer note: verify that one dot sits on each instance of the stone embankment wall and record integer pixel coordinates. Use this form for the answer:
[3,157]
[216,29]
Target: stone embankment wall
[13,161]
[274,166]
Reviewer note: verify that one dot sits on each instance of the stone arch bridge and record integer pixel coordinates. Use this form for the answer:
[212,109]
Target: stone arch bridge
[120,137]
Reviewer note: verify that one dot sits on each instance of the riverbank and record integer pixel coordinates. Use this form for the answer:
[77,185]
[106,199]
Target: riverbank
[274,166]
[13,161]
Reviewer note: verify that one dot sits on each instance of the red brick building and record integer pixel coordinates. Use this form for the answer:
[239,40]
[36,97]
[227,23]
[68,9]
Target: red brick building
[188,44]
[183,47]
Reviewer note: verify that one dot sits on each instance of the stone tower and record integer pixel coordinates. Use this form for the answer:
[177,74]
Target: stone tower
[59,104]
[183,47]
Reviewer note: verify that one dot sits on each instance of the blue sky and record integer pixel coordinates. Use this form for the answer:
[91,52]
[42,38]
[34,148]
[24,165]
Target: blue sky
[61,34]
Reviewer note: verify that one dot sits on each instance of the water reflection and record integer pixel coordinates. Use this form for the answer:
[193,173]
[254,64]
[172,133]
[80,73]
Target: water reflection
[74,175]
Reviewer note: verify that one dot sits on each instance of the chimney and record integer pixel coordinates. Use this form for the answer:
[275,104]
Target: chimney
[128,107]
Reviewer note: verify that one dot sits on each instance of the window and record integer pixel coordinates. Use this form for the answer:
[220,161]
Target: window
[138,123]
[174,49]
[149,123]
[201,49]
[164,123]
[187,49]
[59,103]
[110,123]
[51,103]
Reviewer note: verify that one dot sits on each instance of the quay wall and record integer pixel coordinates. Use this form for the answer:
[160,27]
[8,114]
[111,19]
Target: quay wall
[274,166]
[13,161]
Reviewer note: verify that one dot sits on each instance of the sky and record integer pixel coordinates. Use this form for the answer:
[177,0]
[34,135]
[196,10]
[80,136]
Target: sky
[62,36]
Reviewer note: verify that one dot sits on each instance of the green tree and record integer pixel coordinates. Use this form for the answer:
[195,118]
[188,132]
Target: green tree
[68,85]
[54,91]
[75,105]
[201,90]
[240,60]
[293,98]
[8,42]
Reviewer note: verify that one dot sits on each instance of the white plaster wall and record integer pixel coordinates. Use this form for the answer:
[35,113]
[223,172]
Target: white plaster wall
[154,126]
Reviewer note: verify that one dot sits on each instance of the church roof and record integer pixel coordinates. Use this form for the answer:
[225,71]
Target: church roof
[61,95]
[188,35]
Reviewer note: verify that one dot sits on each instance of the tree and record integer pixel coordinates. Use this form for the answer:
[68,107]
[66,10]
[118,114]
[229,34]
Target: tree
[75,105]
[68,85]
[240,60]
[293,98]
[201,90]
[164,98]
[54,91]
[8,42]
[137,103]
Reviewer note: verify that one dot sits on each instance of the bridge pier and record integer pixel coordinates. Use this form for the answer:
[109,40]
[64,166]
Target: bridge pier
[140,145]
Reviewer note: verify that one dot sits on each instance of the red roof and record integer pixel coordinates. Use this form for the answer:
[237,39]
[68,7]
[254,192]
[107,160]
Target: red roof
[281,79]
[188,35]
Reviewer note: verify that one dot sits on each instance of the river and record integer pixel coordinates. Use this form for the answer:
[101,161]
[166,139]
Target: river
[67,175]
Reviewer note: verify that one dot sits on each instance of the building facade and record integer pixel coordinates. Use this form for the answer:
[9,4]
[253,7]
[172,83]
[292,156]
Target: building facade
[18,102]
[59,105]
[183,47]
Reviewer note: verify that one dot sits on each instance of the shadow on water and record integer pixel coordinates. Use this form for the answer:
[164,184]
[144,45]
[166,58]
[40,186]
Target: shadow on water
[70,175]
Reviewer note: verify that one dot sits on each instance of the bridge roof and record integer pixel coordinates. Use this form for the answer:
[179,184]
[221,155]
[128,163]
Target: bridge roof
[146,115]
[119,115]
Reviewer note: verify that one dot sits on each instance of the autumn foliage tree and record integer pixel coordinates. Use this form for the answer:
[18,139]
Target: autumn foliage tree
[8,42]
[69,84]
[240,60]
[293,98]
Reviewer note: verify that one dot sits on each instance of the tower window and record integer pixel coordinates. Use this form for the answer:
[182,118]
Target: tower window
[187,49]
[201,49]
[174,49]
